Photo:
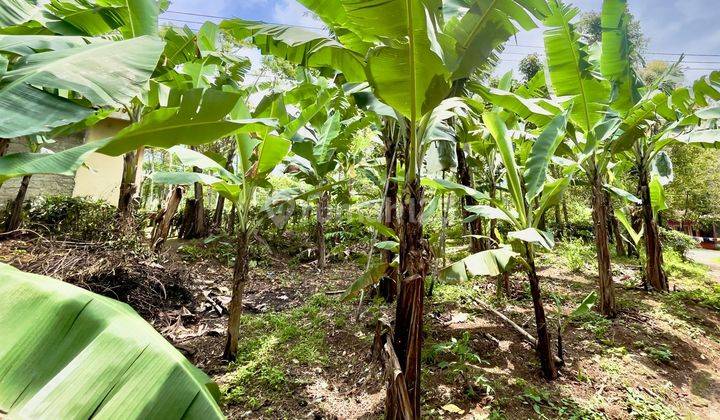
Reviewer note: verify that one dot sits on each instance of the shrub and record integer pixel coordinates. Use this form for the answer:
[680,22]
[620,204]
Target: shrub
[582,230]
[72,218]
[677,241]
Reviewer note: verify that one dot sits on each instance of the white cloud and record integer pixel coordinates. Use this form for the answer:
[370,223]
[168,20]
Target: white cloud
[291,12]
[209,7]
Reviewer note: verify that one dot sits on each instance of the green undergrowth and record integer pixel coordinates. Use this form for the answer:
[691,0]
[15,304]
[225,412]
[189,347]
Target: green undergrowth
[575,254]
[271,344]
[683,272]
[692,283]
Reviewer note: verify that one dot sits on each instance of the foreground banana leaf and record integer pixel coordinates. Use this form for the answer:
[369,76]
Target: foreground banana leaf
[67,353]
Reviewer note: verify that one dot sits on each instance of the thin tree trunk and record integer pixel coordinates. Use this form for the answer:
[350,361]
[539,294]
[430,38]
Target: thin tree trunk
[387,288]
[15,217]
[164,221]
[199,225]
[220,205]
[4,145]
[240,277]
[322,210]
[558,222]
[414,257]
[605,283]
[544,346]
[232,218]
[565,213]
[615,225]
[654,272]
[475,227]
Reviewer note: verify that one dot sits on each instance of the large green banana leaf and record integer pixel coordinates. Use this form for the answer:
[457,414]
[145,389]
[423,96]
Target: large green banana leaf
[542,151]
[616,49]
[498,129]
[16,12]
[407,74]
[538,111]
[69,353]
[201,117]
[30,44]
[479,28]
[492,262]
[300,46]
[105,72]
[571,73]
[85,18]
[132,18]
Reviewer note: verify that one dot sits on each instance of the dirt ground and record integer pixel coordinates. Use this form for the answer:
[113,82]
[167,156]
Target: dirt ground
[305,353]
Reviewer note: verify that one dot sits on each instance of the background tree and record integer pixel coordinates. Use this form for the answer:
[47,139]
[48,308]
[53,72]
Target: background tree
[530,65]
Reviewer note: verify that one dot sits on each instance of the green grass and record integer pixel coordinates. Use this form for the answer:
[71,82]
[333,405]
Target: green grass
[644,406]
[576,254]
[596,324]
[693,282]
[684,272]
[271,341]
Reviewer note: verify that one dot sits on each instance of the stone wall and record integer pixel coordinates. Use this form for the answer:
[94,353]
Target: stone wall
[42,184]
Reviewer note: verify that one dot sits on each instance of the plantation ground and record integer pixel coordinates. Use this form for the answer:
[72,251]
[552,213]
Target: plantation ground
[304,354]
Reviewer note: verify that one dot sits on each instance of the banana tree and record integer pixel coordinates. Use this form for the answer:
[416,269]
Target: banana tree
[532,193]
[412,61]
[656,121]
[259,151]
[190,60]
[239,188]
[600,92]
[66,57]
[314,161]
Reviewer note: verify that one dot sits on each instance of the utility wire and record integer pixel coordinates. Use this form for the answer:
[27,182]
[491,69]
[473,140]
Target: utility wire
[173,20]
[228,17]
[507,45]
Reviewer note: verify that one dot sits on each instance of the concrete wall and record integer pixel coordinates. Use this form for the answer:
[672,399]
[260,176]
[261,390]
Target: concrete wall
[100,178]
[42,184]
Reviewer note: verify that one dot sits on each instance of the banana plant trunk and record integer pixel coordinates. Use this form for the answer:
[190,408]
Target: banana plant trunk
[654,273]
[220,205]
[387,288]
[162,228]
[322,214]
[239,280]
[559,222]
[128,190]
[605,282]
[4,145]
[544,344]
[15,217]
[414,257]
[232,218]
[615,226]
[475,228]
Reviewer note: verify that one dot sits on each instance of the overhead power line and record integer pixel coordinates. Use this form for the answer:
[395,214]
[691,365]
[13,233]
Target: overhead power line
[229,17]
[507,45]
[172,20]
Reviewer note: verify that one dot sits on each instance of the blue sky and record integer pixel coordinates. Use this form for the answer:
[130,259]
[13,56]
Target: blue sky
[673,26]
